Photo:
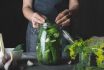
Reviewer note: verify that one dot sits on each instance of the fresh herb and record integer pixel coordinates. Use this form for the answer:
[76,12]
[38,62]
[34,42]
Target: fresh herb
[85,49]
[18,47]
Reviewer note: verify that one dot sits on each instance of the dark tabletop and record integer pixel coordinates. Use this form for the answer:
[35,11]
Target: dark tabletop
[53,67]
[44,67]
[22,65]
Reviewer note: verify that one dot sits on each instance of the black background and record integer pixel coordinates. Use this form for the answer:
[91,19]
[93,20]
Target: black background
[13,24]
[91,21]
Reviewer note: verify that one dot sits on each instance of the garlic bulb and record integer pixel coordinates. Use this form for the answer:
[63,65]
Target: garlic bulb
[4,56]
[1,50]
[8,63]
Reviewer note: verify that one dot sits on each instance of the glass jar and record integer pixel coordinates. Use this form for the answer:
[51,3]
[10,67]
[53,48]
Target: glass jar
[48,46]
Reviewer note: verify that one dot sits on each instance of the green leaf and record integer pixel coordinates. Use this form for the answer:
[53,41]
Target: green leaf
[18,47]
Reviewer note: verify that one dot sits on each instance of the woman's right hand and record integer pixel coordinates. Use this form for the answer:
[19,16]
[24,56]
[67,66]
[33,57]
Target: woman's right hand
[37,19]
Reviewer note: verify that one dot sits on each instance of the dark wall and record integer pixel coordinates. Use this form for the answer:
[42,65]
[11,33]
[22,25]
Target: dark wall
[91,19]
[13,24]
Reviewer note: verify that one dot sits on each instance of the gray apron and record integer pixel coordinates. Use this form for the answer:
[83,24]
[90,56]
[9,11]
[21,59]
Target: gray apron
[49,8]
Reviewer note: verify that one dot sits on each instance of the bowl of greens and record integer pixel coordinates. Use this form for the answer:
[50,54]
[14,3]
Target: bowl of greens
[17,52]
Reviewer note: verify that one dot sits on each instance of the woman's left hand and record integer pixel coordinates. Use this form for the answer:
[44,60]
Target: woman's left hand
[63,18]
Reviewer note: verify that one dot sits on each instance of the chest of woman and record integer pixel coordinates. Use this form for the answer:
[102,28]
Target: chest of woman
[49,6]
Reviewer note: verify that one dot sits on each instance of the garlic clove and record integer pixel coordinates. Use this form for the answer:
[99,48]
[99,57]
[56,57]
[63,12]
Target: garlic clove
[30,63]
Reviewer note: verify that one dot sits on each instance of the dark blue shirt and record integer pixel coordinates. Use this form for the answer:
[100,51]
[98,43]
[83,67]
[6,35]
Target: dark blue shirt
[50,8]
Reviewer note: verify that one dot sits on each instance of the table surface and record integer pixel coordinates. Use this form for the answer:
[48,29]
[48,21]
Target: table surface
[22,64]
[52,67]
[37,66]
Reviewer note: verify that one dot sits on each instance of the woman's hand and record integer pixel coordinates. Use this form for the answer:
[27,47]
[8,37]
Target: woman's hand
[34,17]
[37,19]
[63,18]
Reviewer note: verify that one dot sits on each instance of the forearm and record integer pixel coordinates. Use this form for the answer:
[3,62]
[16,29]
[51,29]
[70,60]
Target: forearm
[73,6]
[27,9]
[27,12]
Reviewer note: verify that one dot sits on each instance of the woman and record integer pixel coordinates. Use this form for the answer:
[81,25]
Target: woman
[36,11]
